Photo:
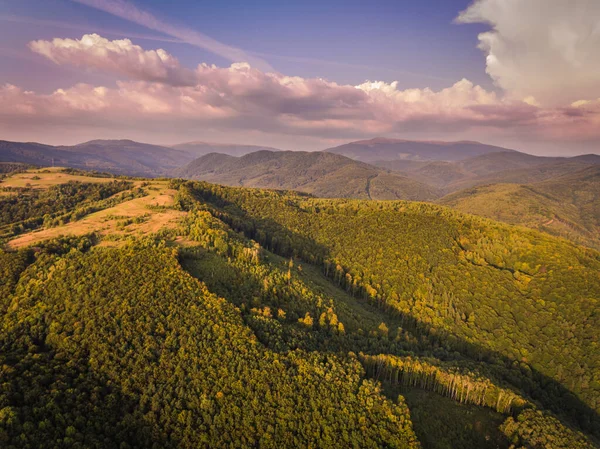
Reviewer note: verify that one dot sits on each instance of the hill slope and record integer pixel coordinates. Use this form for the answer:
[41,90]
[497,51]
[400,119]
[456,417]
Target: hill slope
[381,149]
[501,167]
[114,156]
[475,279]
[318,173]
[184,314]
[567,205]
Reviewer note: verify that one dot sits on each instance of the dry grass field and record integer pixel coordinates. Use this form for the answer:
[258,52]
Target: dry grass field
[47,177]
[136,217]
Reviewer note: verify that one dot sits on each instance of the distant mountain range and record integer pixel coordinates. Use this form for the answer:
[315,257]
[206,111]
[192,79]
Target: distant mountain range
[381,149]
[501,167]
[124,157]
[116,156]
[319,173]
[201,148]
[368,169]
[452,166]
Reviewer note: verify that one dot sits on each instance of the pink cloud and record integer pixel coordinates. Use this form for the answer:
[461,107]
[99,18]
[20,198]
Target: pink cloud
[121,57]
[160,92]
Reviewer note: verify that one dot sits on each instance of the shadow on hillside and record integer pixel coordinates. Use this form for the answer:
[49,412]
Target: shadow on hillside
[541,388]
[55,400]
[441,422]
[239,286]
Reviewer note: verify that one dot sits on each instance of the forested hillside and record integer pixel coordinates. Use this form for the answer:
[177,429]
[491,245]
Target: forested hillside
[184,314]
[321,174]
[500,294]
[567,205]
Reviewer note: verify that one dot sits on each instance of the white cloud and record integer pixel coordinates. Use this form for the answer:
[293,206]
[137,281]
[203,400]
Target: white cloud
[542,50]
[121,57]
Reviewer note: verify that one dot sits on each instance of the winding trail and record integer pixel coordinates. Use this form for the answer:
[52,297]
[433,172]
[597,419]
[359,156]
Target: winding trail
[368,186]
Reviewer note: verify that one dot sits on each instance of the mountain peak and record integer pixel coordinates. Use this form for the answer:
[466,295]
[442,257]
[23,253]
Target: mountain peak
[388,140]
[110,142]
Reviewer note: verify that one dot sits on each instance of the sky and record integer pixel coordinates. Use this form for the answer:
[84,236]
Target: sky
[306,75]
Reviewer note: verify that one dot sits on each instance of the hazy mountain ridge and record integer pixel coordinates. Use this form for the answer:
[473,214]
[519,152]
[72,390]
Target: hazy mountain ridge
[199,148]
[120,156]
[318,173]
[382,149]
[115,156]
[567,205]
[449,166]
[501,167]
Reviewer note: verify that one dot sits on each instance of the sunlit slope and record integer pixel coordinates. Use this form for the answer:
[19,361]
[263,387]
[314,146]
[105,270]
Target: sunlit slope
[42,204]
[494,325]
[507,295]
[567,205]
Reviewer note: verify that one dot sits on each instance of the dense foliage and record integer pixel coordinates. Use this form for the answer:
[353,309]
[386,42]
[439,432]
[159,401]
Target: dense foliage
[268,319]
[119,346]
[538,429]
[11,167]
[516,299]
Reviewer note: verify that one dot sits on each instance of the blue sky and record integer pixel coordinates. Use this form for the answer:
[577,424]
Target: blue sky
[305,74]
[348,41]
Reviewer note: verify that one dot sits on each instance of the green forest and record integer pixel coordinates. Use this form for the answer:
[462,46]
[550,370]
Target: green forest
[275,319]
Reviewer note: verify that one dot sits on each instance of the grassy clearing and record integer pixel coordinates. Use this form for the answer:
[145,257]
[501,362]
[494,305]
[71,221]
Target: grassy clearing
[45,178]
[130,218]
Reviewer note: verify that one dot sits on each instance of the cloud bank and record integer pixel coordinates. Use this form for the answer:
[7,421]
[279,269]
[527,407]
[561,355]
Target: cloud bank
[156,91]
[545,51]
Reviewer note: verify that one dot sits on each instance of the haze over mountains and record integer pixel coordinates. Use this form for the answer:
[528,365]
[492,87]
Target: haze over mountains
[319,173]
[124,157]
[566,205]
[448,166]
[451,166]
[199,148]
[115,156]
[382,149]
